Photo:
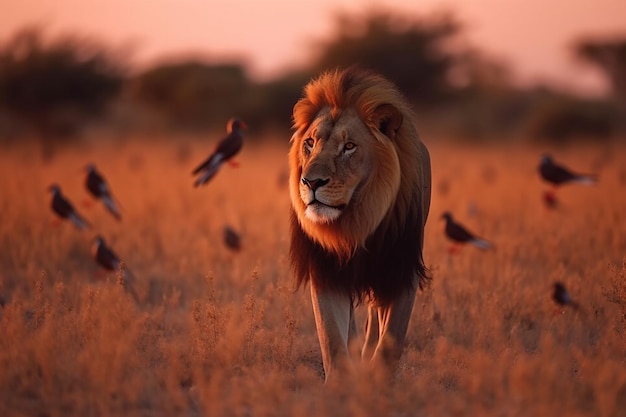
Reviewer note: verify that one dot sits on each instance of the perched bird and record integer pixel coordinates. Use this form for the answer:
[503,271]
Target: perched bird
[558,175]
[103,255]
[98,187]
[232,239]
[107,259]
[64,209]
[459,235]
[561,296]
[225,150]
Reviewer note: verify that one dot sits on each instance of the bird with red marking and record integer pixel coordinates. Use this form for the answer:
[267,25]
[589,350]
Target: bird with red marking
[459,235]
[557,175]
[64,209]
[99,188]
[226,149]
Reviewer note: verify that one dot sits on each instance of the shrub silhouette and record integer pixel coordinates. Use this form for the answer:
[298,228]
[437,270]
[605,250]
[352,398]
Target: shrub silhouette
[609,56]
[194,93]
[54,86]
[412,53]
[561,119]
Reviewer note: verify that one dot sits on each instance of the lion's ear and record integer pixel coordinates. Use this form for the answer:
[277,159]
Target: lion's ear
[387,119]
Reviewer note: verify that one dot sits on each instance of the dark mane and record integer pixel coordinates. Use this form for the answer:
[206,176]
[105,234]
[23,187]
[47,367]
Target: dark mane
[391,263]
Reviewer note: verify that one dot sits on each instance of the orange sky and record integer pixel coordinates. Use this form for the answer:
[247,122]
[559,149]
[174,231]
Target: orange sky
[532,35]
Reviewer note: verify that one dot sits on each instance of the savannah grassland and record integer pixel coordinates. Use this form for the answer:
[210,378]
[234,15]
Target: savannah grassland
[218,333]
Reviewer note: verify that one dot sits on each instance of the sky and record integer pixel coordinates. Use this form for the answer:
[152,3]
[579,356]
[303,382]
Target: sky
[271,36]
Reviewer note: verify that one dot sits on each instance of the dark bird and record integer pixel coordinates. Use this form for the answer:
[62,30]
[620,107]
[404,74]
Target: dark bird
[460,235]
[64,209]
[107,259]
[227,148]
[561,296]
[232,239]
[104,256]
[558,175]
[98,187]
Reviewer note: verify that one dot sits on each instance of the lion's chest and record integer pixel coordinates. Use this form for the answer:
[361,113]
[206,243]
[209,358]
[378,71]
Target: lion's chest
[384,268]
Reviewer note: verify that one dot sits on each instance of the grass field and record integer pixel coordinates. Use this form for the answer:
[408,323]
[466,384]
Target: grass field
[218,333]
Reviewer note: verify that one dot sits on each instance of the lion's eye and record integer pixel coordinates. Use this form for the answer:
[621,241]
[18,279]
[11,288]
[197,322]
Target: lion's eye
[348,146]
[309,143]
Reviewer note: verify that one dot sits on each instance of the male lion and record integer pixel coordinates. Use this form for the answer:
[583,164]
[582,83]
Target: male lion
[360,193]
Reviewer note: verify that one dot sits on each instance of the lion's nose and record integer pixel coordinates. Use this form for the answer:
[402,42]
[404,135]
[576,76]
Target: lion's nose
[314,184]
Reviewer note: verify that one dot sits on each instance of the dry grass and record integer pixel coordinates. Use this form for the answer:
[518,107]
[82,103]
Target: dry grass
[221,333]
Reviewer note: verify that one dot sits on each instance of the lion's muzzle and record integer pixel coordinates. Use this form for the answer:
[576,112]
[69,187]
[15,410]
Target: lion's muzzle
[314,184]
[318,199]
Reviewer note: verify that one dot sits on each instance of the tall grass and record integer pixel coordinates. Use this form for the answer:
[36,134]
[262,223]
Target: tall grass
[223,333]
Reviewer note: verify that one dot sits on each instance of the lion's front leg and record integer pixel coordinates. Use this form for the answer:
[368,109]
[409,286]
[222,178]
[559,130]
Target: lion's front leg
[335,326]
[371,333]
[392,322]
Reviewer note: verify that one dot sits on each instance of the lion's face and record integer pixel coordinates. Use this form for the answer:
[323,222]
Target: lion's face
[336,160]
[344,178]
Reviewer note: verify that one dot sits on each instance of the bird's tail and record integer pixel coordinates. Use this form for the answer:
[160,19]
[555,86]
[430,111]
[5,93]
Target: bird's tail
[480,243]
[112,206]
[204,165]
[79,222]
[207,175]
[585,180]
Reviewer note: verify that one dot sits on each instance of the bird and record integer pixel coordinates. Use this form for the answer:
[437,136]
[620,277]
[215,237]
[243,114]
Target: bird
[98,187]
[64,209]
[460,235]
[107,259]
[561,296]
[103,255]
[227,148]
[557,175]
[232,239]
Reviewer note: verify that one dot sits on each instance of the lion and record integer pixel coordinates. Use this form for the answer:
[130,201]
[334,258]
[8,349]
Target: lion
[360,185]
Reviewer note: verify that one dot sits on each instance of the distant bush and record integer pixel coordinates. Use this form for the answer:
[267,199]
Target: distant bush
[194,94]
[54,86]
[561,120]
[277,98]
[414,53]
[609,56]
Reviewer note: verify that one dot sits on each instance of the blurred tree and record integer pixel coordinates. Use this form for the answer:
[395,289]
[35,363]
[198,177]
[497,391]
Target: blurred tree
[277,98]
[194,94]
[610,57]
[560,119]
[418,55]
[55,86]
